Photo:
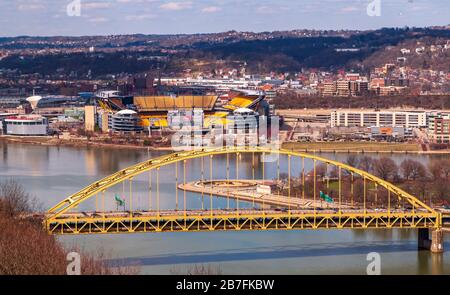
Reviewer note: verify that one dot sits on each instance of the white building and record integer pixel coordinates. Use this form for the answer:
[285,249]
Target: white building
[125,121]
[378,119]
[31,125]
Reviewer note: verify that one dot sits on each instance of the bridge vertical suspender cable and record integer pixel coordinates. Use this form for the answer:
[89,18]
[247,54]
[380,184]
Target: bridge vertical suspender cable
[103,210]
[202,160]
[212,187]
[278,168]
[150,190]
[253,177]
[278,176]
[158,205]
[123,192]
[176,186]
[352,188]
[131,202]
[237,178]
[389,207]
[263,178]
[303,181]
[184,193]
[289,186]
[228,179]
[328,179]
[364,195]
[376,195]
[340,193]
[364,202]
[314,190]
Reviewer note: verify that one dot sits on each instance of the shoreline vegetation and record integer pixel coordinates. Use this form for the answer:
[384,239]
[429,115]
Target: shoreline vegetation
[312,147]
[27,249]
[53,141]
[355,147]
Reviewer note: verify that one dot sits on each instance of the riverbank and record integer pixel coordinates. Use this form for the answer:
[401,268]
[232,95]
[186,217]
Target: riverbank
[75,142]
[359,147]
[307,147]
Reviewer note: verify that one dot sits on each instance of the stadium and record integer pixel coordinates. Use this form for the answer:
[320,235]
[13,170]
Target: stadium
[154,111]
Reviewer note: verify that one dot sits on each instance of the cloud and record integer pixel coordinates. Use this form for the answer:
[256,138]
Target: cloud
[349,9]
[98,20]
[176,5]
[139,17]
[265,10]
[96,5]
[30,6]
[211,9]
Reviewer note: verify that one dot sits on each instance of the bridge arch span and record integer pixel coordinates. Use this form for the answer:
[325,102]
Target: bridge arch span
[152,164]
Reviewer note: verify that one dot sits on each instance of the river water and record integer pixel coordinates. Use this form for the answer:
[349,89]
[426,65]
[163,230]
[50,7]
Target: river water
[51,174]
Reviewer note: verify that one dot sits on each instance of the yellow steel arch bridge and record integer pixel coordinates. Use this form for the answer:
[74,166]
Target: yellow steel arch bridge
[318,197]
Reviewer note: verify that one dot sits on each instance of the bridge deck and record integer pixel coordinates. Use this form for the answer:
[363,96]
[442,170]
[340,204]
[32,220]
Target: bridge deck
[225,220]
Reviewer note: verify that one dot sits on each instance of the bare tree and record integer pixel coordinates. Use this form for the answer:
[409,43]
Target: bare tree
[321,170]
[14,200]
[385,168]
[446,168]
[334,172]
[352,160]
[442,188]
[421,187]
[366,163]
[437,170]
[412,169]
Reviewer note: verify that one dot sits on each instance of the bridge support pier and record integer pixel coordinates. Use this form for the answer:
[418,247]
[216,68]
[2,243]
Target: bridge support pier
[437,241]
[435,244]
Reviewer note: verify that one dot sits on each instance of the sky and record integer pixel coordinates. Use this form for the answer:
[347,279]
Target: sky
[110,17]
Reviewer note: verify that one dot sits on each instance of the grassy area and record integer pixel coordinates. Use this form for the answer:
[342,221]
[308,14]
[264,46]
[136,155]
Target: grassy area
[352,146]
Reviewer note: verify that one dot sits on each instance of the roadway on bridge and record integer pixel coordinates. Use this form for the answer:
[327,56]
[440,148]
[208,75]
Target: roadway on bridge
[246,190]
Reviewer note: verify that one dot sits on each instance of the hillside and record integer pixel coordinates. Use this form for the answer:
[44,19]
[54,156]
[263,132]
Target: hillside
[292,101]
[260,52]
[425,52]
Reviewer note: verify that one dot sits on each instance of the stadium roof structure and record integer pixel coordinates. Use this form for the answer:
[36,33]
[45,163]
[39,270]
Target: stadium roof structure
[166,103]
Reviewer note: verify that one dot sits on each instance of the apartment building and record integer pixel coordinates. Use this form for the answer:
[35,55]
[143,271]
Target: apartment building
[439,127]
[329,88]
[343,88]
